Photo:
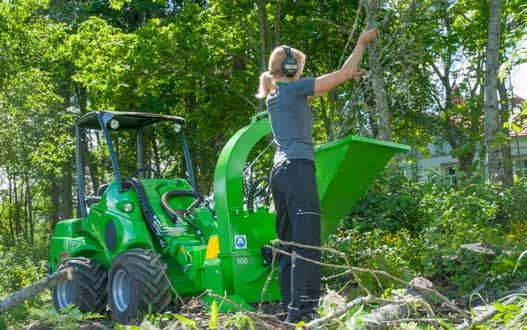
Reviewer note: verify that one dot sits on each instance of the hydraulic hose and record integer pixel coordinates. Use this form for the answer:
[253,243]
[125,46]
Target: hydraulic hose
[151,219]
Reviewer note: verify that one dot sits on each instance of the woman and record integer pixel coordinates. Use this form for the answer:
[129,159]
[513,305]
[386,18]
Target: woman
[293,182]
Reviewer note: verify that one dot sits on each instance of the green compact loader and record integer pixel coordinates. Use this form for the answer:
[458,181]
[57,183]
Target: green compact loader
[145,242]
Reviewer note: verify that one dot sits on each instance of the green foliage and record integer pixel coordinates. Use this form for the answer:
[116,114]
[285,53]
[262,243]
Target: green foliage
[21,265]
[506,313]
[239,321]
[118,4]
[214,315]
[19,268]
[160,321]
[66,320]
[186,323]
[411,229]
[101,54]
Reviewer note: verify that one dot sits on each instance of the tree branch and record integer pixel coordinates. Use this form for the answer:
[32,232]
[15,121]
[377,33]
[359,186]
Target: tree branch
[37,287]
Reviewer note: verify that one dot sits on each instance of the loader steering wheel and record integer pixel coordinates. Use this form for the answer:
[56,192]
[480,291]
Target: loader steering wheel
[175,214]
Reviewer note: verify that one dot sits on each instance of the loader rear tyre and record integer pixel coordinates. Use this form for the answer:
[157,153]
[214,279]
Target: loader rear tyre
[86,289]
[137,284]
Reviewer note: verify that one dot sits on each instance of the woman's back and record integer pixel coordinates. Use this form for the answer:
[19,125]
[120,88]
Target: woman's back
[291,119]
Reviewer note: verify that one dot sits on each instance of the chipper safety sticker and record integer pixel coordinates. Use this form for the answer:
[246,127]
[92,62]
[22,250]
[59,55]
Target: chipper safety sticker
[240,242]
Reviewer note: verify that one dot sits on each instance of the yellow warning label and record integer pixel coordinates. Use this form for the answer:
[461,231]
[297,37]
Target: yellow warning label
[213,248]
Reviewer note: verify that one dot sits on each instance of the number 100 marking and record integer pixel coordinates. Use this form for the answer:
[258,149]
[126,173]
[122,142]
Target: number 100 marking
[242,260]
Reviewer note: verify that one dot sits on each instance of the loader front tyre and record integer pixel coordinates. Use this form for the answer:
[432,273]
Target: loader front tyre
[86,289]
[137,284]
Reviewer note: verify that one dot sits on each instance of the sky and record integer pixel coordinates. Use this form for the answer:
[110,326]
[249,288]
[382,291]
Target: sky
[519,80]
[519,76]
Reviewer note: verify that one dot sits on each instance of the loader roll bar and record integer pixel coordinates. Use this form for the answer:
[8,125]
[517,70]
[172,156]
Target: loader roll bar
[112,120]
[127,120]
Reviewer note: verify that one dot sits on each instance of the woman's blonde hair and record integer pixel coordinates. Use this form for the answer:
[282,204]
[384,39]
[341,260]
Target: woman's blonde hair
[268,78]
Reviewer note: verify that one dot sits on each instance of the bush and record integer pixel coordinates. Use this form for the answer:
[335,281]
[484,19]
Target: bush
[410,228]
[20,268]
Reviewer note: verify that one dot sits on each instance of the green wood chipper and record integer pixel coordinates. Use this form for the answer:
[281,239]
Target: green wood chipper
[144,242]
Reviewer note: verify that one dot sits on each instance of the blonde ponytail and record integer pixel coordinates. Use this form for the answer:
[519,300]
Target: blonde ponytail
[266,85]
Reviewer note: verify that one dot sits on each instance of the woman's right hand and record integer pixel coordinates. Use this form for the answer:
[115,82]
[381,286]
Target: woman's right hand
[367,36]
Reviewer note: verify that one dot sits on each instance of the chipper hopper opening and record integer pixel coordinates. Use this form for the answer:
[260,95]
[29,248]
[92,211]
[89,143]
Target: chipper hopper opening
[345,170]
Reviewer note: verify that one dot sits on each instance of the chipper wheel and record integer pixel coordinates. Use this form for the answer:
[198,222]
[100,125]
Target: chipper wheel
[86,289]
[137,284]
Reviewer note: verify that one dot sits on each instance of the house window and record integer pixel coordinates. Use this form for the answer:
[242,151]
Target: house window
[450,173]
[520,167]
[439,150]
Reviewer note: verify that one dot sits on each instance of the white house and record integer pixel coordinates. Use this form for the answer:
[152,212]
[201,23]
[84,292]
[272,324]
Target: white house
[441,158]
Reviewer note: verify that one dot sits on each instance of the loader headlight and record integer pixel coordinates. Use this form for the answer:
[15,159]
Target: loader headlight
[128,207]
[114,124]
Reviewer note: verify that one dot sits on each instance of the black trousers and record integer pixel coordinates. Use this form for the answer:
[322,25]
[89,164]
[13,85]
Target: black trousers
[295,196]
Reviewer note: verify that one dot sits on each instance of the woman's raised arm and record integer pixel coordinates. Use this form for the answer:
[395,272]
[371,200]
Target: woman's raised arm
[331,80]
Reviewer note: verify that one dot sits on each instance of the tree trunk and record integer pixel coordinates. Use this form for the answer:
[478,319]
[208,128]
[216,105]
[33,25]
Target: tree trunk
[155,151]
[66,191]
[506,153]
[277,18]
[10,205]
[29,199]
[262,16]
[465,163]
[491,117]
[456,137]
[93,166]
[379,86]
[82,95]
[263,29]
[55,202]
[330,128]
[18,228]
[23,197]
[373,122]
[332,109]
[325,118]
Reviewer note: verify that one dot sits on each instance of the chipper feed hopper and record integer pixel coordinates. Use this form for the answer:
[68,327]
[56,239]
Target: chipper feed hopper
[145,242]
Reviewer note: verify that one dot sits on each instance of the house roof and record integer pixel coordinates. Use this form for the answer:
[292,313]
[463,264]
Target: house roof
[517,101]
[523,132]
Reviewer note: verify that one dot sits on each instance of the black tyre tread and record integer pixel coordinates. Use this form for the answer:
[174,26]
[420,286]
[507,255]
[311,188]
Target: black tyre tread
[91,280]
[153,292]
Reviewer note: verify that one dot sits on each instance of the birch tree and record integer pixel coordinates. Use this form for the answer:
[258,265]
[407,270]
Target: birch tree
[491,117]
[378,83]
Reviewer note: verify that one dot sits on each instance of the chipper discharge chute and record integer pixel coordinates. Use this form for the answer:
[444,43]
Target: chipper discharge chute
[142,241]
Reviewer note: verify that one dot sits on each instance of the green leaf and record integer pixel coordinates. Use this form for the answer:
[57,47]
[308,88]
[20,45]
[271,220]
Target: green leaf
[214,315]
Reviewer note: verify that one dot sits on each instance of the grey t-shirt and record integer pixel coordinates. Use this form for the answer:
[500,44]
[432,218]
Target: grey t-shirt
[291,119]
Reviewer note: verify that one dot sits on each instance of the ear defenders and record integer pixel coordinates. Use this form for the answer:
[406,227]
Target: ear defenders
[289,65]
